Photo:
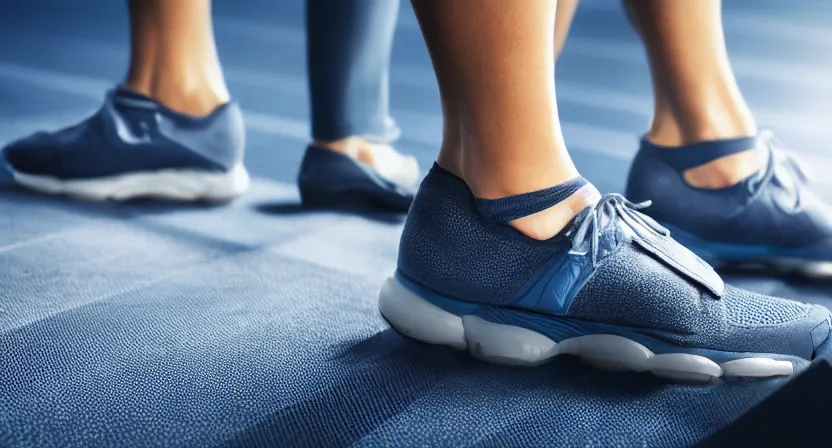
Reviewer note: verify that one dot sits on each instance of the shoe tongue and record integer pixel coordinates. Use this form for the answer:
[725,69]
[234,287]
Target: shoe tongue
[608,226]
[612,222]
[507,209]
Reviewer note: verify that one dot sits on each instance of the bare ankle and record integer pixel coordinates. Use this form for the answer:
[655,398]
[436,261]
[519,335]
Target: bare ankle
[386,161]
[725,171]
[668,130]
[356,147]
[713,121]
[550,222]
[450,161]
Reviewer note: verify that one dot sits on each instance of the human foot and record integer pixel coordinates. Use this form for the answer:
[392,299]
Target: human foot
[611,288]
[356,172]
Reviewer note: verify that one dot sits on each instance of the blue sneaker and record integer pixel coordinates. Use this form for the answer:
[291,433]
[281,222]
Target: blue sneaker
[329,179]
[135,147]
[771,219]
[612,288]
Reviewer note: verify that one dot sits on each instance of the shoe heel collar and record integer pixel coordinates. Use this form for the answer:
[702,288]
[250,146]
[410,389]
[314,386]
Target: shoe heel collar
[683,158]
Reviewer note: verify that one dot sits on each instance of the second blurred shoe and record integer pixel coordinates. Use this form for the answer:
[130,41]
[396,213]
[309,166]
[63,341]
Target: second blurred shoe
[330,179]
[135,147]
[770,219]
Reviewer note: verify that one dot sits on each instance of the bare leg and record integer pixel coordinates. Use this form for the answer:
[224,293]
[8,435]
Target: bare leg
[696,95]
[563,22]
[172,55]
[494,62]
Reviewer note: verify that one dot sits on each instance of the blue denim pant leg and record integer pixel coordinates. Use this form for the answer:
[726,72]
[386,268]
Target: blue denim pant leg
[348,55]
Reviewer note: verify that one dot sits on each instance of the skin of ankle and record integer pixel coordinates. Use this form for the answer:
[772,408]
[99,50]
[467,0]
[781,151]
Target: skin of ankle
[669,130]
[725,171]
[548,223]
[711,123]
[563,21]
[356,147]
[507,174]
[542,225]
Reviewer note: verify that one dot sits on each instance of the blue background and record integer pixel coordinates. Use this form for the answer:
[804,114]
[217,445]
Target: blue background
[152,324]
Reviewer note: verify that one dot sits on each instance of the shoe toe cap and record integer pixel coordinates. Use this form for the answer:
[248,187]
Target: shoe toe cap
[810,334]
[764,324]
[32,155]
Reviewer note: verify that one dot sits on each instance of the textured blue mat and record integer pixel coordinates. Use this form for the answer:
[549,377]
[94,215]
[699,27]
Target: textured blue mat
[150,324]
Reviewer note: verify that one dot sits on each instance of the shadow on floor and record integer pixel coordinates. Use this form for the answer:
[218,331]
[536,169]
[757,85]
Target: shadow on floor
[382,378]
[130,211]
[296,208]
[135,207]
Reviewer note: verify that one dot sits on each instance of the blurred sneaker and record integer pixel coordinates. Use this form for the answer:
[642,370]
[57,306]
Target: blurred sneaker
[611,288]
[771,219]
[135,147]
[330,179]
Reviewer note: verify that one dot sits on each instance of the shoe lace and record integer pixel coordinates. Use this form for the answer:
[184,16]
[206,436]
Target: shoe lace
[602,216]
[789,178]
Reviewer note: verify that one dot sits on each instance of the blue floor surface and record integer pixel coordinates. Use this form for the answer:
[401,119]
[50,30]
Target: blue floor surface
[152,324]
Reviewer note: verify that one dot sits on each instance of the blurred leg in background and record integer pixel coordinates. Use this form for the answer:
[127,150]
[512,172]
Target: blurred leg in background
[173,58]
[168,131]
[563,22]
[508,252]
[349,43]
[696,95]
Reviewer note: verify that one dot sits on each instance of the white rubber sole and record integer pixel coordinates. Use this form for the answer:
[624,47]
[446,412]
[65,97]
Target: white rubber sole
[178,185]
[419,319]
